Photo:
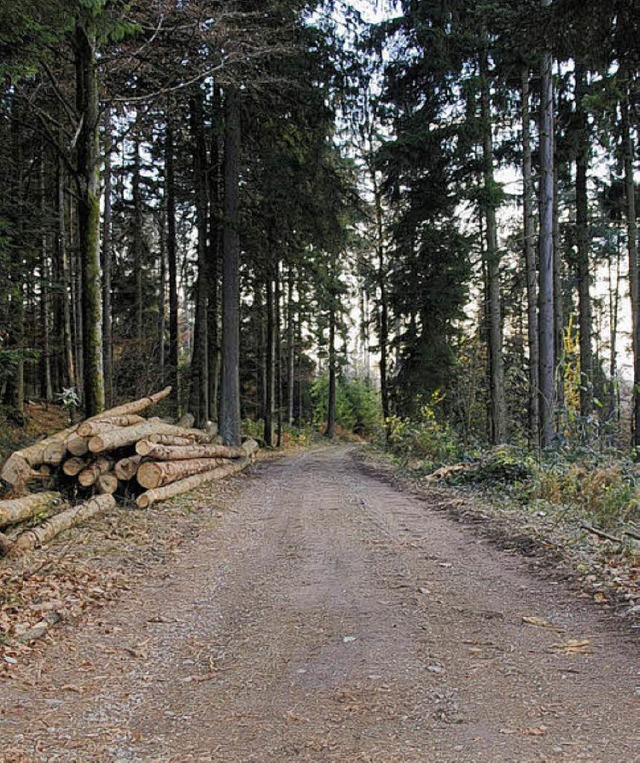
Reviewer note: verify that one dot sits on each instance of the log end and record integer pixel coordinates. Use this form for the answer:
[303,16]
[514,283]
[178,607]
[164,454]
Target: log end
[149,475]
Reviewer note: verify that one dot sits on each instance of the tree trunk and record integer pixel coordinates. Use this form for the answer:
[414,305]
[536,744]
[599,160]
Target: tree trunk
[230,387]
[291,347]
[124,436]
[152,475]
[278,350]
[53,526]
[494,300]
[213,261]
[186,452]
[270,365]
[69,362]
[138,241]
[88,177]
[383,329]
[632,244]
[531,267]
[547,359]
[331,403]
[105,423]
[582,240]
[172,264]
[199,395]
[17,510]
[107,256]
[190,483]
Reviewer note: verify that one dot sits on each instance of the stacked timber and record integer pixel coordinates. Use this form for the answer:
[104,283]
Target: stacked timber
[117,453]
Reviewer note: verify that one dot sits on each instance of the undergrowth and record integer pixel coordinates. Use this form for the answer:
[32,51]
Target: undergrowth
[592,485]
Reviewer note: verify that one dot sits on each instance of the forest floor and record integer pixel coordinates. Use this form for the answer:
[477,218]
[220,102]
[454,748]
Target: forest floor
[309,611]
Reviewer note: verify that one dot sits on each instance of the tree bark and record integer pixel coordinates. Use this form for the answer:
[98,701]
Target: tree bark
[498,417]
[230,387]
[53,526]
[107,423]
[199,394]
[88,177]
[186,452]
[547,355]
[152,475]
[190,483]
[172,263]
[582,241]
[107,256]
[138,241]
[531,267]
[124,436]
[291,346]
[17,510]
[628,149]
[270,364]
[331,403]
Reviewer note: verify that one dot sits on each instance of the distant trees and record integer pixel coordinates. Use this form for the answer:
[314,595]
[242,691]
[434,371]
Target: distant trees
[474,94]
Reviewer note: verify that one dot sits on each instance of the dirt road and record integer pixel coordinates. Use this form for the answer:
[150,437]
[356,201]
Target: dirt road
[331,618]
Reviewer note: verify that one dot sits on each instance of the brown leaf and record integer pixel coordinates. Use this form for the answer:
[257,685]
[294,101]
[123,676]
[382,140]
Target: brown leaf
[541,623]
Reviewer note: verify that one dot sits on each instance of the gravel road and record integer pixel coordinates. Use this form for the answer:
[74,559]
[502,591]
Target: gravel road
[329,617]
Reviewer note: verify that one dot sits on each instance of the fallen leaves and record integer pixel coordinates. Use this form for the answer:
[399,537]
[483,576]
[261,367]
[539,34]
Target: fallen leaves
[541,623]
[574,646]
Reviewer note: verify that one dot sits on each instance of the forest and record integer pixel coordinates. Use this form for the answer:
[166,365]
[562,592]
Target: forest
[413,220]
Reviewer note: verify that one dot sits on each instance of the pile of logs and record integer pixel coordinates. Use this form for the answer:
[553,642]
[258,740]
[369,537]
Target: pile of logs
[116,453]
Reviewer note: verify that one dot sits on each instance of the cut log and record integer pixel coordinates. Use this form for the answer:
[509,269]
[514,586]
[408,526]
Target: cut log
[135,406]
[152,474]
[5,545]
[187,452]
[150,497]
[73,466]
[127,468]
[120,438]
[43,533]
[18,509]
[107,483]
[250,446]
[89,475]
[187,421]
[93,427]
[76,445]
[17,468]
[169,439]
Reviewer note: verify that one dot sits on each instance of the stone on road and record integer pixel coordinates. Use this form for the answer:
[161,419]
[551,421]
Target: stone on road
[330,617]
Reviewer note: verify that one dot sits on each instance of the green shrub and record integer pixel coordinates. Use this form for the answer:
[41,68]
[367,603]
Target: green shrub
[358,407]
[427,438]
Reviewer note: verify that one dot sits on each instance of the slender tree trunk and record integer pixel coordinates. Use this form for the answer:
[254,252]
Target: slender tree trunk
[632,244]
[107,256]
[46,300]
[291,347]
[230,382]
[89,216]
[582,239]
[270,364]
[531,265]
[69,363]
[213,264]
[278,349]
[547,358]
[496,362]
[331,405]
[138,242]
[383,337]
[172,264]
[162,302]
[199,397]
